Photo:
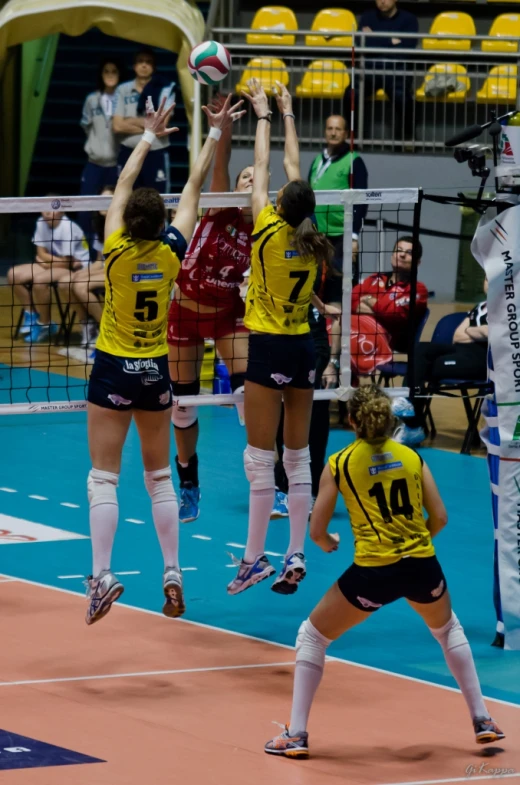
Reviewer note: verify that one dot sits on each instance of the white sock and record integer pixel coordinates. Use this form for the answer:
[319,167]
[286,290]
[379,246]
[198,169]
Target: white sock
[103,526]
[459,660]
[311,646]
[260,508]
[299,503]
[166,521]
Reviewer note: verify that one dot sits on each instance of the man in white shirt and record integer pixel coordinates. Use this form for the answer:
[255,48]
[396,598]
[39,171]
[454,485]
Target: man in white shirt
[61,249]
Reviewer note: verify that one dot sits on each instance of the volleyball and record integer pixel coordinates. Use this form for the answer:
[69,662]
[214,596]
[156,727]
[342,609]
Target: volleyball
[209,63]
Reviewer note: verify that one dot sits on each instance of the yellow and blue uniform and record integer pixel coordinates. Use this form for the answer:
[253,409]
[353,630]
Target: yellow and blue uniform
[280,288]
[131,364]
[381,484]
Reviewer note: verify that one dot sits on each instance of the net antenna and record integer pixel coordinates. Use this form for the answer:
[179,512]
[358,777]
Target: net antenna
[35,379]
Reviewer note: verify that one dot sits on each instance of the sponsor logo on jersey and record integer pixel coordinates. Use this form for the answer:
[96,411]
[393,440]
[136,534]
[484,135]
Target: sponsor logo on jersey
[381,456]
[288,308]
[137,277]
[160,176]
[291,254]
[385,467]
[368,603]
[118,400]
[147,266]
[280,378]
[232,230]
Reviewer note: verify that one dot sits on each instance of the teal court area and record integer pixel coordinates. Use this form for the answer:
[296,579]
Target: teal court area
[43,481]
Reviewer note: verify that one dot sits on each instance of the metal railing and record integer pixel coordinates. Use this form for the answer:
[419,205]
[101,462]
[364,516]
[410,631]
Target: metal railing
[396,107]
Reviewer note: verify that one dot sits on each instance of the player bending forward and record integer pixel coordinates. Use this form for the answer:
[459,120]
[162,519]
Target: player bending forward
[394,558]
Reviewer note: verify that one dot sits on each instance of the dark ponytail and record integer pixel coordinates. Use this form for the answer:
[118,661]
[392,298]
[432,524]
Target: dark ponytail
[297,206]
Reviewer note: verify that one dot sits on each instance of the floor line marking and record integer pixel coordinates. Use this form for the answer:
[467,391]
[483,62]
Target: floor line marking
[69,504]
[245,635]
[200,537]
[188,569]
[235,545]
[468,778]
[133,520]
[66,577]
[8,490]
[128,572]
[139,674]
[38,498]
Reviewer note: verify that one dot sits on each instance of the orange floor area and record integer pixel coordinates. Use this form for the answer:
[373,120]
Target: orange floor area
[171,701]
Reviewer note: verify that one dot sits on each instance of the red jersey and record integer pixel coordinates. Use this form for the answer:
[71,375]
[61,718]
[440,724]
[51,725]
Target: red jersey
[217,258]
[392,306]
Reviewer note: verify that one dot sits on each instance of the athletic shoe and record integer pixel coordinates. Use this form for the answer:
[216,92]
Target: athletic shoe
[40,333]
[402,408]
[30,318]
[102,591]
[281,506]
[411,437]
[293,571]
[174,605]
[249,574]
[189,507]
[289,746]
[486,730]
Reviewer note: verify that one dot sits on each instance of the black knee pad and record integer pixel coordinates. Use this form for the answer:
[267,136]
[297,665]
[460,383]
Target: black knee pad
[192,388]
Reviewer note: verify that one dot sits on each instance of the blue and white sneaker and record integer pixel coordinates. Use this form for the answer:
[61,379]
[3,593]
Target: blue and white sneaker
[281,506]
[249,574]
[102,591]
[30,318]
[411,437]
[41,333]
[293,571]
[189,507]
[402,408]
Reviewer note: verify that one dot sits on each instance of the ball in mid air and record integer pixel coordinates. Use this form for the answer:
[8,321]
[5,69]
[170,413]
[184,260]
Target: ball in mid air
[209,63]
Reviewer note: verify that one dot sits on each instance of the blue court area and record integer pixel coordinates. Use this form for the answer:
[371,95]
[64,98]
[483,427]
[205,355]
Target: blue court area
[43,481]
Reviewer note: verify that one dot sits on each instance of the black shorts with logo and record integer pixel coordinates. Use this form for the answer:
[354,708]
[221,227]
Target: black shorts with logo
[279,361]
[369,588]
[123,383]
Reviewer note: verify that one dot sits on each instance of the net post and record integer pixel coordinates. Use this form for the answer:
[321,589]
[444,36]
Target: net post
[346,301]
[413,294]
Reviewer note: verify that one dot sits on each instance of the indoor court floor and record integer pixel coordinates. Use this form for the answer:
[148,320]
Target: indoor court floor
[140,698]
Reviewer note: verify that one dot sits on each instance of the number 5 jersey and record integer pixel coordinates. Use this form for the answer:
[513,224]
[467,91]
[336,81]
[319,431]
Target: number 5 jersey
[139,279]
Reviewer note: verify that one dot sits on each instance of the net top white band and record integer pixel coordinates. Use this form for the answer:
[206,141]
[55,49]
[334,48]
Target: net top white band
[38,204]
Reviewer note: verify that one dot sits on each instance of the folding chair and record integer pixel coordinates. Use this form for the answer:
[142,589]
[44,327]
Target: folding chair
[456,388]
[389,371]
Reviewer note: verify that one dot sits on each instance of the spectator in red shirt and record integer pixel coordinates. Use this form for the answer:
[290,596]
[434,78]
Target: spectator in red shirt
[381,308]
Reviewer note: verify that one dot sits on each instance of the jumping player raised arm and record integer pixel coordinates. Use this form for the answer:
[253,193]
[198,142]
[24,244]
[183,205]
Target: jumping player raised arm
[130,374]
[286,253]
[208,305]
[385,486]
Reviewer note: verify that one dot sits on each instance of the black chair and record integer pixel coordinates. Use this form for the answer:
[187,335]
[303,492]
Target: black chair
[456,388]
[390,370]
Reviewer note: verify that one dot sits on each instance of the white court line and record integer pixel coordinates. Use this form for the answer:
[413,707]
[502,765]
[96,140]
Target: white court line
[38,498]
[8,490]
[8,580]
[140,674]
[244,635]
[66,577]
[133,520]
[188,569]
[200,537]
[469,778]
[235,545]
[69,504]
[128,572]
[272,553]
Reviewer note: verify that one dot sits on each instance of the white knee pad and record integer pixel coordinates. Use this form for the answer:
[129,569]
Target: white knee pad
[452,635]
[102,487]
[259,466]
[159,485]
[184,416]
[297,465]
[311,645]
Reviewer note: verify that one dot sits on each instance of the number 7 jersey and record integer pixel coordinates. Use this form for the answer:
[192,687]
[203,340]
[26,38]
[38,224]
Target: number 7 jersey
[281,281]
[139,279]
[381,484]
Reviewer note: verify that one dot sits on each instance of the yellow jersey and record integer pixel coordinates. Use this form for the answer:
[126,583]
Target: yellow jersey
[139,278]
[280,281]
[381,484]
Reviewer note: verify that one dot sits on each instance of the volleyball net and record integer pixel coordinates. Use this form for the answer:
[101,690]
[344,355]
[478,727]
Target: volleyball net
[52,298]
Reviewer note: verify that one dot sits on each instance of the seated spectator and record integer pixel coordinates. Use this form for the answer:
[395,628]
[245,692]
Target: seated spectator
[386,17]
[61,248]
[464,358]
[381,309]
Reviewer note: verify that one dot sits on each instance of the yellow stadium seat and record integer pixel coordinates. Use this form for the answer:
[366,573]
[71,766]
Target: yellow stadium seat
[504,26]
[267,70]
[273,18]
[458,96]
[328,22]
[454,22]
[381,95]
[500,86]
[324,79]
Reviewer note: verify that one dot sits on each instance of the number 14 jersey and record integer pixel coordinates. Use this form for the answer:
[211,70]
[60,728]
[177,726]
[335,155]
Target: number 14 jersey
[139,279]
[381,484]
[281,281]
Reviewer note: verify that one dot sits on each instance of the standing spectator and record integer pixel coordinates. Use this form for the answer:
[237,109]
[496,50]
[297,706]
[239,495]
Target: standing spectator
[128,121]
[381,311]
[386,17]
[330,171]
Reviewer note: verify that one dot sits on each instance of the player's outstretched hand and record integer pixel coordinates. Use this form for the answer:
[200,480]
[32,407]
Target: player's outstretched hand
[157,121]
[283,98]
[221,116]
[257,98]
